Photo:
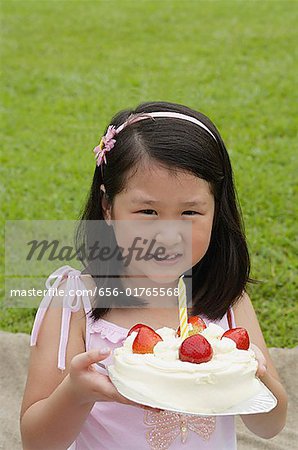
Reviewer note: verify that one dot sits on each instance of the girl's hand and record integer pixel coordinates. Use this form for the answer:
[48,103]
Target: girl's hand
[262,365]
[89,385]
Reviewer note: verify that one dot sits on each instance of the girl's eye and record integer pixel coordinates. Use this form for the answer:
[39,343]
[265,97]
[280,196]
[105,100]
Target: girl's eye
[194,212]
[146,210]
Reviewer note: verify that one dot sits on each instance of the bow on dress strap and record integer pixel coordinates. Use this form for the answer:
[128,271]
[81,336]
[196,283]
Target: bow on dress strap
[75,292]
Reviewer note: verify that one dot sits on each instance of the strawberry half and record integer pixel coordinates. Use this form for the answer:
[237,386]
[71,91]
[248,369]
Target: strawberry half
[145,340]
[197,323]
[239,336]
[137,327]
[195,349]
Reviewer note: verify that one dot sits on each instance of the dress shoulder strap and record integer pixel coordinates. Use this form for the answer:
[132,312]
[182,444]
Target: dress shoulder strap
[74,294]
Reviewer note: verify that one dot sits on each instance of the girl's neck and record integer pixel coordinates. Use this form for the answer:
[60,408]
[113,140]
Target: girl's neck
[155,294]
[154,317]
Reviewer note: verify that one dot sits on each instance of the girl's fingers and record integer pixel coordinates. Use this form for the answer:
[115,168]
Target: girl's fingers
[262,365]
[84,360]
[105,388]
[150,408]
[261,371]
[262,368]
[110,392]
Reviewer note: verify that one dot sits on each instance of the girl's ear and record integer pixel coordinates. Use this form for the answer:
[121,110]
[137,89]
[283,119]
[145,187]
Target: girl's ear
[105,204]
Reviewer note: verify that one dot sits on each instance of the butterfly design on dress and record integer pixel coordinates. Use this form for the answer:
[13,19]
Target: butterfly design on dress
[167,426]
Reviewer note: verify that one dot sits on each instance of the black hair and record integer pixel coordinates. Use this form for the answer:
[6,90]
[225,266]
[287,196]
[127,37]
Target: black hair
[220,277]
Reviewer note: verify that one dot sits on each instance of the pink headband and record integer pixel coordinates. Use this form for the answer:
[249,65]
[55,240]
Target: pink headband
[107,142]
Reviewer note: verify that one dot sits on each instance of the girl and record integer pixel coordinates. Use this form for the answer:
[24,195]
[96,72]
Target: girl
[162,161]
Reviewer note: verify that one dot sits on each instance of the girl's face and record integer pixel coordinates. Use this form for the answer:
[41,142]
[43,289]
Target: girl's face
[175,210]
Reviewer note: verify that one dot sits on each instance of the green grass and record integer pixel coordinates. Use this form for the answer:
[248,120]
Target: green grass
[68,66]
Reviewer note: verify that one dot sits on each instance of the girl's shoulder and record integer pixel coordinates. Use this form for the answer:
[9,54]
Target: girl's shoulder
[58,334]
[67,304]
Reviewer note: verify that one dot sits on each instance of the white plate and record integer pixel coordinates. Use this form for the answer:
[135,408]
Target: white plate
[263,401]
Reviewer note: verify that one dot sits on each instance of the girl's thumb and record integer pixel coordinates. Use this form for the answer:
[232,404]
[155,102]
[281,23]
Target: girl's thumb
[83,360]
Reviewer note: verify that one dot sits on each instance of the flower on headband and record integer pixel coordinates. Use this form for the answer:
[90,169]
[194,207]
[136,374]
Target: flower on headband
[106,144]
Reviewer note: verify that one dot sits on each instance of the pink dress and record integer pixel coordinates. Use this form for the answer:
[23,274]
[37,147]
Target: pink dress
[111,425]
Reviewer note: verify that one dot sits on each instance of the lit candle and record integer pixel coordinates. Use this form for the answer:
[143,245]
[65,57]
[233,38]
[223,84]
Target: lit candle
[182,309]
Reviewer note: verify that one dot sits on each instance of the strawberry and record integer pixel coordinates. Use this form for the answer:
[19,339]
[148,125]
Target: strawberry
[195,349]
[145,340]
[197,323]
[137,327]
[238,335]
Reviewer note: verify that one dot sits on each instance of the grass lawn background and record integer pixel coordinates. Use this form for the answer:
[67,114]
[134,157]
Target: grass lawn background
[69,66]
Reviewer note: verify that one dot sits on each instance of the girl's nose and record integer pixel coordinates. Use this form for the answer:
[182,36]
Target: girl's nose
[170,236]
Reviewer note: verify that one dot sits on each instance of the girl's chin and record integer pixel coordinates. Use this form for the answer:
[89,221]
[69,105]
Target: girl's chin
[163,276]
[160,274]
[159,277]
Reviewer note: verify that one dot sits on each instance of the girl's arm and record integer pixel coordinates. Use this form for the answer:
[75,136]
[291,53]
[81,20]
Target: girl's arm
[55,404]
[50,417]
[265,425]
[53,423]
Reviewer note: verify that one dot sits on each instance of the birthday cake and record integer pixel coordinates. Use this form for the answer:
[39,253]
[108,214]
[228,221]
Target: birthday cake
[209,371]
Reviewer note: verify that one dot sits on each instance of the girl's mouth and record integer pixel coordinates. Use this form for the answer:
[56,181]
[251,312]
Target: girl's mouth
[167,260]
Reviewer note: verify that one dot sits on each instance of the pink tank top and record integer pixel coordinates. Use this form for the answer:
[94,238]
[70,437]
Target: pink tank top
[111,425]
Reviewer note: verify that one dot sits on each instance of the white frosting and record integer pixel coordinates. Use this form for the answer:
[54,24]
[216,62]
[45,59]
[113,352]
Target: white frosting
[211,387]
